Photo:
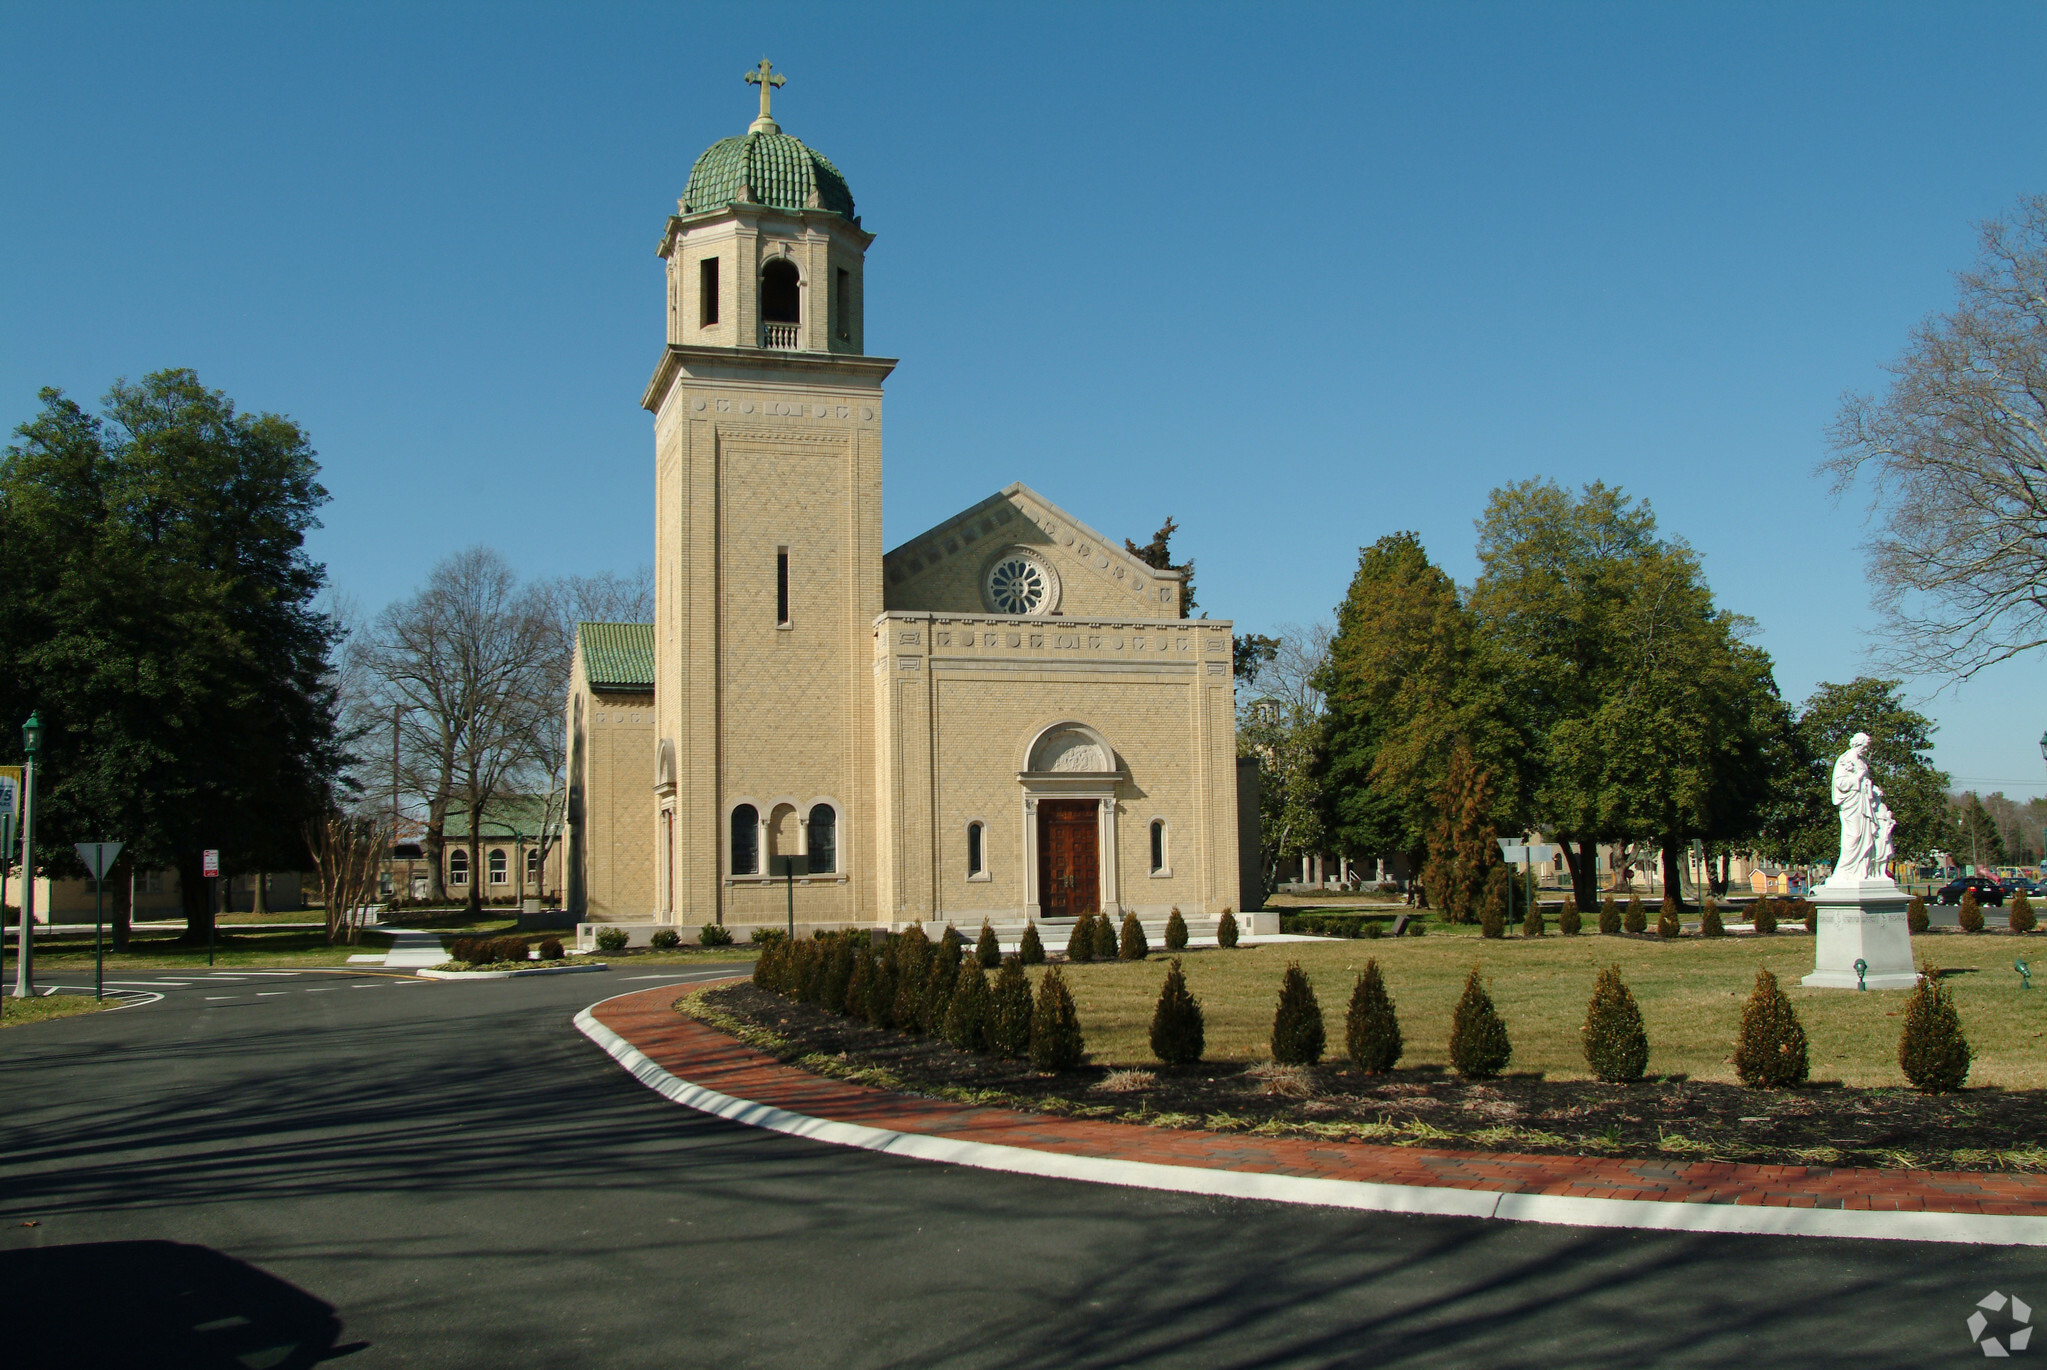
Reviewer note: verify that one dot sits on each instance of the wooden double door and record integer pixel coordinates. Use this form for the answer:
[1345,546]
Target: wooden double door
[1069,857]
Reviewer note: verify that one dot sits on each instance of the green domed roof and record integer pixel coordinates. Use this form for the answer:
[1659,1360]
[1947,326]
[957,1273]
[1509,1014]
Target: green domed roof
[766,168]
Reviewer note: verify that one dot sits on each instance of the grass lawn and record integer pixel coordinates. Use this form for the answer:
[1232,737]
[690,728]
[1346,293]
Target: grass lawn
[21,1012]
[1691,992]
[240,945]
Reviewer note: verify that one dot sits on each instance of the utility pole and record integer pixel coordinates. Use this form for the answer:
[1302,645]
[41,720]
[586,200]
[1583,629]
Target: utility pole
[24,959]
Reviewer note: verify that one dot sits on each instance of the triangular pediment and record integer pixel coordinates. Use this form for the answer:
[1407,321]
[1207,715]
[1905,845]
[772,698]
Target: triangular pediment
[946,569]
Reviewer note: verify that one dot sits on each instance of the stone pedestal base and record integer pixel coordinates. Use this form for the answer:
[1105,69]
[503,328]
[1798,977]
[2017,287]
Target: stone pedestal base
[1862,920]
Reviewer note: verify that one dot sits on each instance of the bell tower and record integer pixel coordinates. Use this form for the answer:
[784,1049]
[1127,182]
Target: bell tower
[767,436]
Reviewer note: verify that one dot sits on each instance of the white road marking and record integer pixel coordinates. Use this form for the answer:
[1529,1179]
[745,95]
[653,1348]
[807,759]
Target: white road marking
[270,993]
[223,996]
[327,989]
[365,986]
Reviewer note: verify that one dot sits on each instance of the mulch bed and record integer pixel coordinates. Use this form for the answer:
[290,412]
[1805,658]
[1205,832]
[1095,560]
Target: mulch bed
[1669,1117]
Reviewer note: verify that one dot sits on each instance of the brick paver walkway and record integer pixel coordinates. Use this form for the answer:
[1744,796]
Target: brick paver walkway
[704,1056]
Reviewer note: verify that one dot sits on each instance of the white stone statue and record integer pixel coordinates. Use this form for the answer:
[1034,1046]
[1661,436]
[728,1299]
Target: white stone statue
[1858,799]
[1885,821]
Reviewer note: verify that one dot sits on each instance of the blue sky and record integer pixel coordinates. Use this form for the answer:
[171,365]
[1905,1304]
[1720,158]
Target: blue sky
[1298,276]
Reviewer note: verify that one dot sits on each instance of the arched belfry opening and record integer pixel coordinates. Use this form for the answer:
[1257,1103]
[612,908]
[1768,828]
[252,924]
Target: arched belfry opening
[781,292]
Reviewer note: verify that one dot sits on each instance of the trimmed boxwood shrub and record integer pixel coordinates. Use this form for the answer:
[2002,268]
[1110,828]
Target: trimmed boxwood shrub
[855,1002]
[612,939]
[1479,1047]
[2021,916]
[1009,1012]
[1616,1046]
[841,960]
[1532,924]
[551,949]
[883,983]
[1492,915]
[1132,945]
[1176,1036]
[1770,1049]
[1709,919]
[1764,916]
[714,935]
[762,937]
[1080,943]
[1176,931]
[1932,1051]
[1031,951]
[767,968]
[1056,1041]
[1806,912]
[1667,924]
[987,950]
[665,939]
[1609,917]
[1634,920]
[939,982]
[1297,1035]
[1371,1029]
[951,947]
[966,1017]
[1970,914]
[1569,921]
[1916,920]
[1226,930]
[1106,945]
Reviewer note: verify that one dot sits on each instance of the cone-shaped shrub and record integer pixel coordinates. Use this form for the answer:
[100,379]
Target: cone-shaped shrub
[1371,1030]
[2022,917]
[1479,1048]
[987,950]
[1769,1051]
[1569,920]
[1532,922]
[883,983]
[1970,915]
[1226,930]
[1080,943]
[1616,1047]
[1916,920]
[1176,1036]
[1709,920]
[913,951]
[1105,938]
[1808,913]
[1297,1036]
[1031,951]
[1932,1051]
[1634,920]
[1132,946]
[1492,912]
[1176,931]
[937,997]
[1056,1042]
[1764,916]
[838,976]
[1009,1012]
[951,948]
[1609,916]
[767,970]
[1667,924]
[858,981]
[966,1018]
[913,980]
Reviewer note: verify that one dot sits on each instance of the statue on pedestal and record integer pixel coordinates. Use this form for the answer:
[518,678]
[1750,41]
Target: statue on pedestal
[1863,941]
[1865,821]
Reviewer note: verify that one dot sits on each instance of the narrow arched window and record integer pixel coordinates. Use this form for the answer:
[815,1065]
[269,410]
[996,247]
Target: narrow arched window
[496,862]
[781,292]
[458,867]
[824,840]
[977,860]
[532,864]
[1158,845]
[746,840]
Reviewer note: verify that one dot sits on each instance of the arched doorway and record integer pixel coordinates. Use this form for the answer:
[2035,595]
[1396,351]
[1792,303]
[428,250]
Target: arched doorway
[1070,780]
[1070,857]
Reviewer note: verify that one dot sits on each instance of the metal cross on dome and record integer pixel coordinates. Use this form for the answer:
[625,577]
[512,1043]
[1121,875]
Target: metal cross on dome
[765,76]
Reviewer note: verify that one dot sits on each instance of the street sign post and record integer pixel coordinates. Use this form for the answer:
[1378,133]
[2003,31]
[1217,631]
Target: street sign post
[789,867]
[99,858]
[209,866]
[10,803]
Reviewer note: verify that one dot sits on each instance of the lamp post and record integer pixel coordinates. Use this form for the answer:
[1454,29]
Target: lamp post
[24,962]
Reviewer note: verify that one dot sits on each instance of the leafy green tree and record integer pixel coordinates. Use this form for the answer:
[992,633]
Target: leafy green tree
[1464,873]
[1158,554]
[1975,836]
[160,614]
[1283,729]
[1900,760]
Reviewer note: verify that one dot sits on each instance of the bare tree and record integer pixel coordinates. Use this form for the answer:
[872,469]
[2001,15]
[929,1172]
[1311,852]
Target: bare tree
[1956,454]
[1283,727]
[347,851]
[461,668]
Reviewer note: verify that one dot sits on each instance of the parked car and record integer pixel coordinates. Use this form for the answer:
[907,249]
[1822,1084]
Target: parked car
[2019,884]
[1988,891]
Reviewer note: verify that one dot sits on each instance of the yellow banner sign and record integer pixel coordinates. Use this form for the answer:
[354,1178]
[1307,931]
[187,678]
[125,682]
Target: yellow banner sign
[10,790]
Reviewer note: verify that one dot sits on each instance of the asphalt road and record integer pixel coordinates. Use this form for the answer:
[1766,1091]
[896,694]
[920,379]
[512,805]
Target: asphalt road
[276,1170]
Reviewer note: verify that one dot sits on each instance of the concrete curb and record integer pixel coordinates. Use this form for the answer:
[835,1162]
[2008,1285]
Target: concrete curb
[426,974]
[1972,1228]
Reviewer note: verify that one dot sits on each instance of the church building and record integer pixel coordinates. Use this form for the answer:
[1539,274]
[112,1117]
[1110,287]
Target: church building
[1005,717]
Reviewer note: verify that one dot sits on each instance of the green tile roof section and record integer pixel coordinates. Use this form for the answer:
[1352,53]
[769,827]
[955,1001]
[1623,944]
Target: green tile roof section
[508,815]
[617,656]
[773,168]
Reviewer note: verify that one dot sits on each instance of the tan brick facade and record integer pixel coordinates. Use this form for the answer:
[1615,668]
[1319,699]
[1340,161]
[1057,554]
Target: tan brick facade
[608,862]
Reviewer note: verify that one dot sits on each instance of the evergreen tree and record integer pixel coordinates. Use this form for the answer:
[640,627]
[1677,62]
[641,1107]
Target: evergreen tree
[1176,931]
[838,975]
[2021,917]
[1916,921]
[1492,921]
[1297,1035]
[1569,922]
[1770,1050]
[1969,913]
[1132,946]
[857,984]
[951,947]
[1667,924]
[1031,951]
[1709,919]
[1609,917]
[939,981]
[1764,917]
[1634,920]
[1106,946]
[1532,922]
[1463,858]
[966,1017]
[1932,1051]
[1371,1029]
[884,983]
[1176,1036]
[987,950]
[1080,943]
[1616,1045]
[1056,1042]
[1226,930]
[1009,1014]
[1479,1048]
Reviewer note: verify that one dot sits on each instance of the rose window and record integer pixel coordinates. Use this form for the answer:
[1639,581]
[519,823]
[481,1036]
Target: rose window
[1019,584]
